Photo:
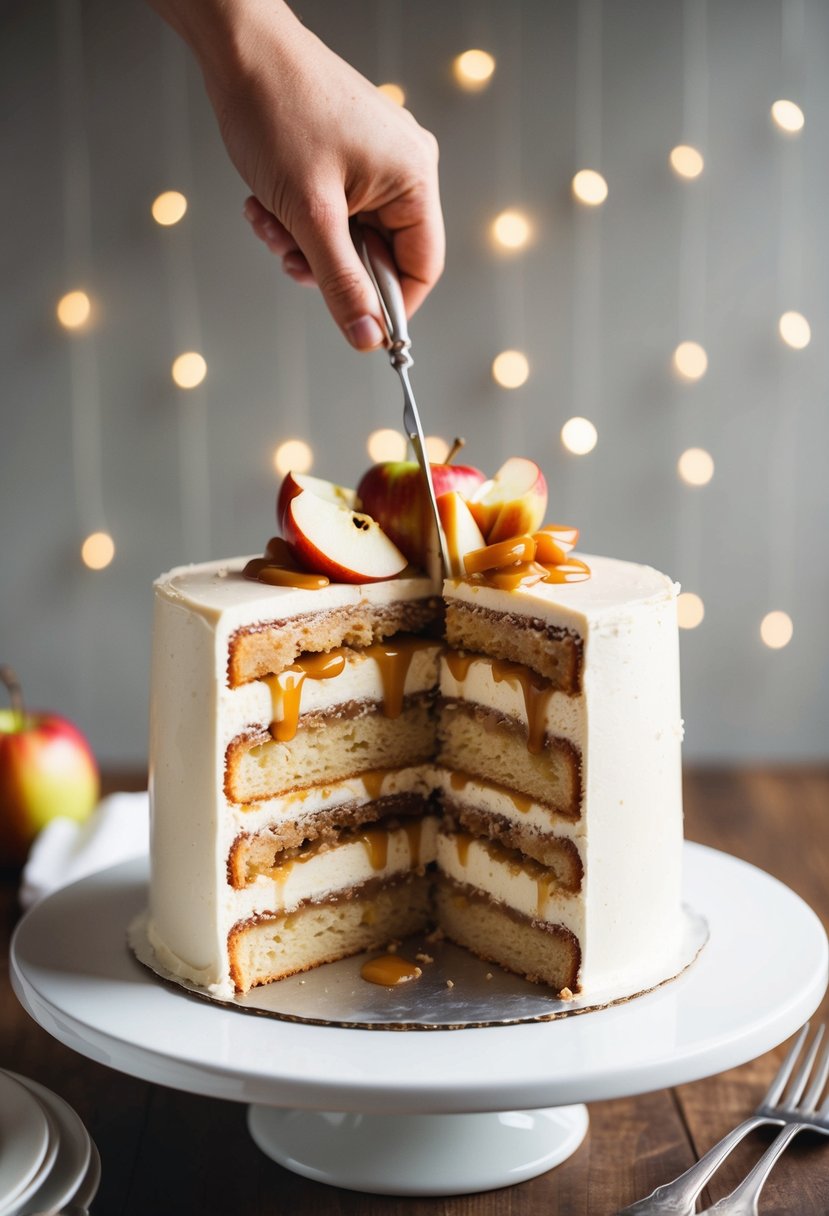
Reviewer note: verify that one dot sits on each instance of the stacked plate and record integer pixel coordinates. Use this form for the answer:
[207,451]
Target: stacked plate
[47,1158]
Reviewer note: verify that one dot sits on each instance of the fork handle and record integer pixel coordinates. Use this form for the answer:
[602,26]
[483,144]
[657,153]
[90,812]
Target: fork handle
[678,1198]
[743,1199]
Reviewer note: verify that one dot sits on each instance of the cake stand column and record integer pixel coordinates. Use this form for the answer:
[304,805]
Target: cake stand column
[419,1154]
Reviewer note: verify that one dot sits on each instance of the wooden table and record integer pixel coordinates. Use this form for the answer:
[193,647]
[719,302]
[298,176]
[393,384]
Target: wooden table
[171,1154]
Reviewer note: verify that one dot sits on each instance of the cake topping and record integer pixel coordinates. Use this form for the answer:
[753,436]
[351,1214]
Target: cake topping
[279,569]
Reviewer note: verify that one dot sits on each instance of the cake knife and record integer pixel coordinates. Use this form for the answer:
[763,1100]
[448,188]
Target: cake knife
[379,262]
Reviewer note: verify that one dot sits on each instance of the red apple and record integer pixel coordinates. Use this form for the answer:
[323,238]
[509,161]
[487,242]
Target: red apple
[46,769]
[461,532]
[512,503]
[294,483]
[394,493]
[346,545]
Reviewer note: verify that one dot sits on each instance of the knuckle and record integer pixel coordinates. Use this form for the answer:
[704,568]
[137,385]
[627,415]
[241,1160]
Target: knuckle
[341,285]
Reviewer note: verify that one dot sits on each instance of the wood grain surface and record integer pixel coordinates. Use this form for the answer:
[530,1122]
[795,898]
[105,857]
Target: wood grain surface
[167,1153]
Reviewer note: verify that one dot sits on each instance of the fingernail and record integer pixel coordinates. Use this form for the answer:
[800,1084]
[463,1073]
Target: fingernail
[364,333]
[269,228]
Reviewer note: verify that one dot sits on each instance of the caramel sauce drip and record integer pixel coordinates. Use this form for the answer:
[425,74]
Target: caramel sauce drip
[286,688]
[376,843]
[514,862]
[458,781]
[389,970]
[279,569]
[520,801]
[459,662]
[373,779]
[536,691]
[414,830]
[462,842]
[394,659]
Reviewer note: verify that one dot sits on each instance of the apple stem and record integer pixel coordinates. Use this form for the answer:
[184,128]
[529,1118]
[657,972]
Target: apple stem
[9,678]
[453,451]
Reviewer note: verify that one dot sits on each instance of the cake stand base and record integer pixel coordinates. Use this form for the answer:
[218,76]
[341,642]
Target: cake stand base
[419,1154]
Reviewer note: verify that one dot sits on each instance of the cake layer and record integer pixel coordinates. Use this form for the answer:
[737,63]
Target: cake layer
[462,789]
[493,746]
[270,948]
[552,651]
[329,748]
[548,954]
[560,856]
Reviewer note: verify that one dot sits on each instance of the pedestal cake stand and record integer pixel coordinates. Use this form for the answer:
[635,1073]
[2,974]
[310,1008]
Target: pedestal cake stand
[426,1113]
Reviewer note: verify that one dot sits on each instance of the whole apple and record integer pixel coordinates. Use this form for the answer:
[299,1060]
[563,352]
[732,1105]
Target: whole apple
[46,769]
[394,493]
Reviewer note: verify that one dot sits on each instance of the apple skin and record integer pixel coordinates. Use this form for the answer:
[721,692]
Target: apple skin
[295,483]
[513,503]
[46,769]
[347,546]
[394,493]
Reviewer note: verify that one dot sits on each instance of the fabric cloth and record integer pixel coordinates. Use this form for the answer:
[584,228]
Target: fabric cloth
[64,851]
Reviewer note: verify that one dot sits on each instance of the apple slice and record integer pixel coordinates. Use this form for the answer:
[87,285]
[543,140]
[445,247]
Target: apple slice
[512,503]
[295,483]
[554,542]
[343,544]
[461,532]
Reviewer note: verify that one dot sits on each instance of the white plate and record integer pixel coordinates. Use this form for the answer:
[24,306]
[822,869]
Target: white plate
[747,992]
[24,1140]
[73,1155]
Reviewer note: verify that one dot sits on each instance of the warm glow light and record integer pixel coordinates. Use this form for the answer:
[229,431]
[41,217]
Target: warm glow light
[511,230]
[788,116]
[579,436]
[386,444]
[169,208]
[98,550]
[689,610]
[473,69]
[696,466]
[690,360]
[393,92]
[293,456]
[795,330]
[510,369]
[776,629]
[589,187]
[189,369]
[436,449]
[73,309]
[686,161]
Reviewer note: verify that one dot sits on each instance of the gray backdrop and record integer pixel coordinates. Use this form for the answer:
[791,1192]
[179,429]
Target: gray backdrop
[99,115]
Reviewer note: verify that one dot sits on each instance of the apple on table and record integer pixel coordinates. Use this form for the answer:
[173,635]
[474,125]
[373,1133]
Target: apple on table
[46,769]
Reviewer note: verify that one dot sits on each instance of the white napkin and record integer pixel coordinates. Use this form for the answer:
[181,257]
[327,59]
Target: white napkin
[117,830]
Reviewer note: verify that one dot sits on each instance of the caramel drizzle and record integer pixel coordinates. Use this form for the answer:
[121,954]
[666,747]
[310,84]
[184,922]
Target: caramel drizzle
[459,781]
[535,689]
[514,862]
[389,970]
[394,660]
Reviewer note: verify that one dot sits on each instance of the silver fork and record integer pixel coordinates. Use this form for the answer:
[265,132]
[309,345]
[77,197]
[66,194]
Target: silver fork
[678,1198]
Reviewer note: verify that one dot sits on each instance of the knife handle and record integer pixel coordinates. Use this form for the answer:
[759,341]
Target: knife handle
[378,260]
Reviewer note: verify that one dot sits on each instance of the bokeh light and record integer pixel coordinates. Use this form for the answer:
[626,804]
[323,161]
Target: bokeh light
[589,187]
[394,92]
[436,449]
[776,629]
[386,444]
[788,116]
[690,610]
[294,455]
[686,161]
[690,360]
[189,369]
[510,369]
[511,230]
[473,69]
[168,208]
[98,550]
[74,309]
[795,330]
[579,436]
[696,466]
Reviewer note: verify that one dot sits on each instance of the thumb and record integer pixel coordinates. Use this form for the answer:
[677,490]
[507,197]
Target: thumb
[323,236]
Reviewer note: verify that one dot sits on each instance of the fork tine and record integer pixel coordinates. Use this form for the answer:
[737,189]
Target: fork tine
[800,1078]
[818,1084]
[784,1072]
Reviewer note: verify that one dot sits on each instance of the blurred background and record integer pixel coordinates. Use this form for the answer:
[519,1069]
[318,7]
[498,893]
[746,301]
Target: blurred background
[635,296]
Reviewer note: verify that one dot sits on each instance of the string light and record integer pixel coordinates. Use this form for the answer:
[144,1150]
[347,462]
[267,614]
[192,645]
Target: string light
[686,161]
[511,230]
[386,444]
[795,330]
[589,187]
[189,369]
[788,116]
[696,467]
[293,456]
[690,610]
[776,629]
[98,550]
[510,369]
[394,93]
[473,69]
[579,436]
[168,208]
[73,309]
[436,448]
[690,360]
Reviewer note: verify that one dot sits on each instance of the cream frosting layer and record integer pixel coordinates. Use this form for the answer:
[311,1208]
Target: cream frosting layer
[563,715]
[523,812]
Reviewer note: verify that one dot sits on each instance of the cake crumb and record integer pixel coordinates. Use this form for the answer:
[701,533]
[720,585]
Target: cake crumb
[565,995]
[437,935]
[423,957]
[302,981]
[489,975]
[450,983]
[391,948]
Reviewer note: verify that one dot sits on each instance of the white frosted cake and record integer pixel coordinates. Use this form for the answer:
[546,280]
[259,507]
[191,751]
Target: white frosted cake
[328,773]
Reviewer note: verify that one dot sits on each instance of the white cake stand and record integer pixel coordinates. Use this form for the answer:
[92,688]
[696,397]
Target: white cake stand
[426,1112]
